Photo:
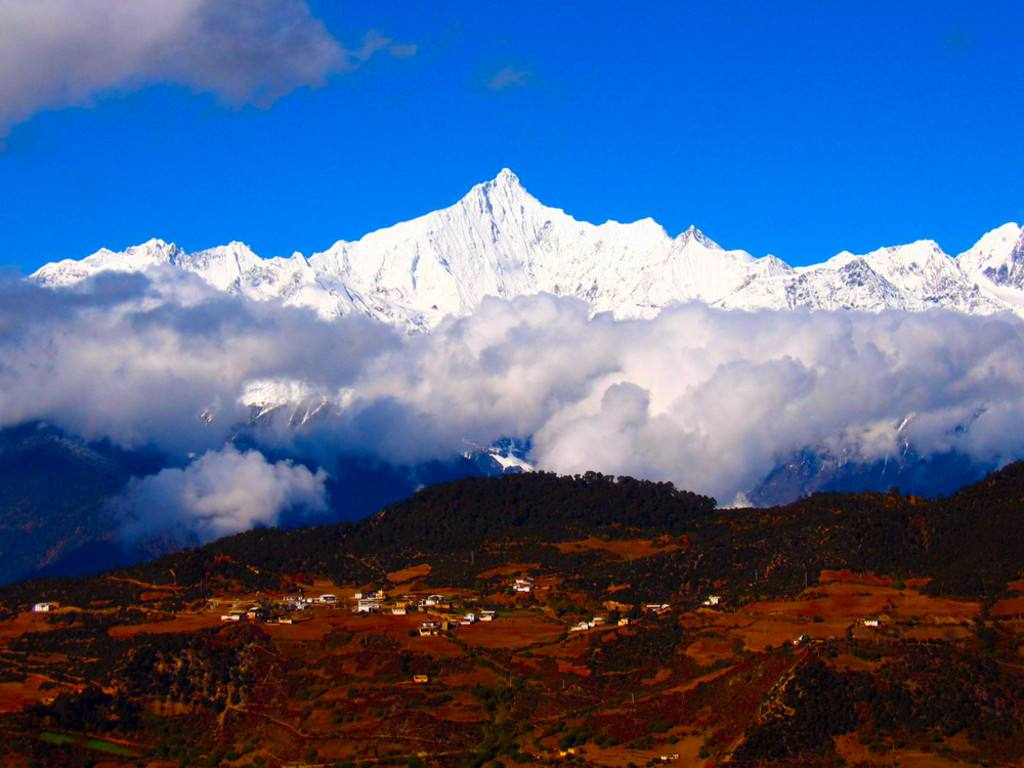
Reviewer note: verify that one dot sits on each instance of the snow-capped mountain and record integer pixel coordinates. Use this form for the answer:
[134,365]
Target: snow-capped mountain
[501,241]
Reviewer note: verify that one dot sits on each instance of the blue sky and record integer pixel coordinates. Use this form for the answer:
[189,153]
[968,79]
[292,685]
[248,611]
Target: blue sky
[798,129]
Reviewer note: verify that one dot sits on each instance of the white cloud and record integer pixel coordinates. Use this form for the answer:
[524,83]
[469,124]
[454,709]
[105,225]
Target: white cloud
[509,77]
[56,53]
[710,399]
[220,493]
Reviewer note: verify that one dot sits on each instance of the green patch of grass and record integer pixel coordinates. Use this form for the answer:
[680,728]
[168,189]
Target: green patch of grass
[96,744]
[113,749]
[57,738]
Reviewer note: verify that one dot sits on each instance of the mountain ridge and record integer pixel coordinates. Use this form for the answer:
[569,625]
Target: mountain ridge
[499,240]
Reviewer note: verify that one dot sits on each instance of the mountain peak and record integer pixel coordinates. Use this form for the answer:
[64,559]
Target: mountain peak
[999,239]
[695,235]
[506,176]
[505,192]
[997,259]
[505,180]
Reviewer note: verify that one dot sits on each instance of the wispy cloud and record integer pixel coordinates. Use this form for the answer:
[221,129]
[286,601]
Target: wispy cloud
[58,53]
[509,77]
[374,42]
[403,50]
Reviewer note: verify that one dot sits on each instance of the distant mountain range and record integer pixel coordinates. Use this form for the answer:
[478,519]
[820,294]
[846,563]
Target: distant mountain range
[499,240]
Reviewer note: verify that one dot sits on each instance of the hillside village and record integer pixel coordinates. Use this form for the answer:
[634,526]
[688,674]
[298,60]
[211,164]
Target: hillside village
[513,639]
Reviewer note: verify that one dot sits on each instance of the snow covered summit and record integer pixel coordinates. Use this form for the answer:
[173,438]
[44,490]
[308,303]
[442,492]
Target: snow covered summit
[499,240]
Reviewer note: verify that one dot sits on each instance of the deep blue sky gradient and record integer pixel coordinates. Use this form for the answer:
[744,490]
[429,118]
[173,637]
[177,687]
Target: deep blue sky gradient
[797,128]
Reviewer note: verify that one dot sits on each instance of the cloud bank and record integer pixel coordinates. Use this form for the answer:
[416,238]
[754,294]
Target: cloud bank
[220,493]
[712,400]
[56,53]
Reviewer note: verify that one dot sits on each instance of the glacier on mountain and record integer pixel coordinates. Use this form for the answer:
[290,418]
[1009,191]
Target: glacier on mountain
[500,241]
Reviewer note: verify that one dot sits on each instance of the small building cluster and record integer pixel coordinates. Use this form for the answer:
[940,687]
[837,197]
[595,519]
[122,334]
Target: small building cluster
[253,613]
[523,585]
[433,628]
[657,608]
[584,626]
[446,612]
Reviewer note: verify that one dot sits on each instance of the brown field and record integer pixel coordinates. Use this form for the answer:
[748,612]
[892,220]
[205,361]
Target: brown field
[409,574]
[24,622]
[438,646]
[478,676]
[305,630]
[460,711]
[849,577]
[773,632]
[16,695]
[325,586]
[708,650]
[839,606]
[688,748]
[145,585]
[182,622]
[567,668]
[851,600]
[1011,606]
[623,549]
[829,611]
[867,577]
[153,595]
[518,631]
[855,753]
[512,569]
[574,646]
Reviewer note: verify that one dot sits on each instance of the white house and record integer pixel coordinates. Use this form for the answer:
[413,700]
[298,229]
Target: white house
[486,615]
[368,605]
[523,585]
[712,600]
[43,607]
[871,622]
[295,603]
[328,599]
